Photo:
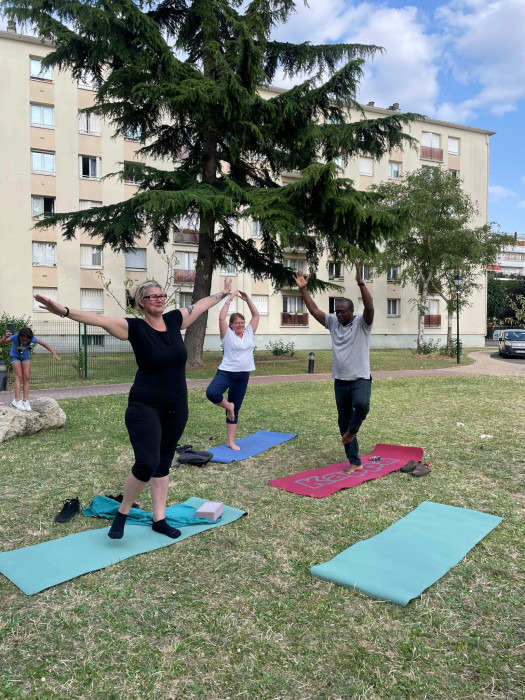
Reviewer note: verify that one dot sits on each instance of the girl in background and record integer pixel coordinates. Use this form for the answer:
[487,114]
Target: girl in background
[20,356]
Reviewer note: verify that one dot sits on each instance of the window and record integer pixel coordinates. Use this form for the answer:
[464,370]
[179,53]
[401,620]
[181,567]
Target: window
[260,302]
[454,173]
[94,339]
[132,173]
[366,273]
[453,146]
[393,307]
[51,292]
[366,166]
[42,115]
[135,259]
[392,273]
[394,169]
[185,299]
[133,134]
[360,306]
[256,229]
[295,264]
[430,146]
[187,261]
[36,72]
[44,254]
[186,223]
[228,269]
[84,204]
[335,270]
[43,162]
[41,206]
[433,306]
[293,305]
[89,123]
[90,256]
[87,81]
[91,300]
[89,167]
[429,139]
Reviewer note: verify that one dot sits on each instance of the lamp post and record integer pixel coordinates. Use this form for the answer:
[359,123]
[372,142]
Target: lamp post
[457,283]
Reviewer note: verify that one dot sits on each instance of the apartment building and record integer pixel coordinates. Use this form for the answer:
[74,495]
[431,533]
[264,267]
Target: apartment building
[53,159]
[511,261]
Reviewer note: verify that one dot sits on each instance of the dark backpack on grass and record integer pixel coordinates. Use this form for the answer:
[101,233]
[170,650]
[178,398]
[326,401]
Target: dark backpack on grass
[187,455]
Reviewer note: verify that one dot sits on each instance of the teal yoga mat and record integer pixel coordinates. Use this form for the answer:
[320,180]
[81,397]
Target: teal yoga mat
[40,566]
[399,563]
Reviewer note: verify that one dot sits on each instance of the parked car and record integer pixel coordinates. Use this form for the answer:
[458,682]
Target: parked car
[512,342]
[496,334]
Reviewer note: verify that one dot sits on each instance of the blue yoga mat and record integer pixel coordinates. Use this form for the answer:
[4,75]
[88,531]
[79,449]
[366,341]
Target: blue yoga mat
[250,446]
[399,563]
[40,566]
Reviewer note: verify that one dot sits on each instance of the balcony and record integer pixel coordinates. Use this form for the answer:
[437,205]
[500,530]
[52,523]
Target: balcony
[288,319]
[186,236]
[184,276]
[429,153]
[432,320]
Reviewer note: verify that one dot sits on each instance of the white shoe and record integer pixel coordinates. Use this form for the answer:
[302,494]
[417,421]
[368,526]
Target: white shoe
[27,405]
[18,404]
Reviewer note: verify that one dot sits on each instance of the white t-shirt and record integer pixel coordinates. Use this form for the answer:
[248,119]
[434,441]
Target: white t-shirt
[238,352]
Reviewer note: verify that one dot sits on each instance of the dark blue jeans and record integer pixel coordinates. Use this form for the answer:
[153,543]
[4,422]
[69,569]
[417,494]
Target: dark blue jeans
[352,399]
[235,382]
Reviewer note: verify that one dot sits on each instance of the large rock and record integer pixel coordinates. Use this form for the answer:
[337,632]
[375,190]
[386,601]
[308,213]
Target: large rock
[46,415]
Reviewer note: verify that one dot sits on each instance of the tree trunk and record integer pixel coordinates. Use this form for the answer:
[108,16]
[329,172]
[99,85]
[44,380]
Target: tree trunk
[194,338]
[421,315]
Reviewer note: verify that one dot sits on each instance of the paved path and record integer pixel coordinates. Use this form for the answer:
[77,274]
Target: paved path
[487,363]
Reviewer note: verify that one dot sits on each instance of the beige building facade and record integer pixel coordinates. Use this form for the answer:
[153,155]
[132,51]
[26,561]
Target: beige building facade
[54,159]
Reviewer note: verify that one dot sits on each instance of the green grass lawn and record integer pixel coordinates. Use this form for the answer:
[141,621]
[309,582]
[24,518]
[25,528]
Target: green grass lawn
[117,368]
[234,613]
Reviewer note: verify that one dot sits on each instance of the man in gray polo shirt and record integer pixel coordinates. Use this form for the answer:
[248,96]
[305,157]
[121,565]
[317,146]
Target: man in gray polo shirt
[350,360]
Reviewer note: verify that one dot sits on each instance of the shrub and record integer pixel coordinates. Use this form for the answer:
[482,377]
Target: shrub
[428,347]
[279,347]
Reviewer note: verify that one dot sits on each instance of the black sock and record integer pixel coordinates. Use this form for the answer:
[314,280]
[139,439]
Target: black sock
[165,529]
[117,528]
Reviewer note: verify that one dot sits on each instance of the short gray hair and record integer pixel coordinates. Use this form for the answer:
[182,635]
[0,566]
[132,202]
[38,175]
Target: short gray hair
[143,288]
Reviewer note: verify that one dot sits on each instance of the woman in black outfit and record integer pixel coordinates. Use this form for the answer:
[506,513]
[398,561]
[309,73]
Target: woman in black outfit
[158,407]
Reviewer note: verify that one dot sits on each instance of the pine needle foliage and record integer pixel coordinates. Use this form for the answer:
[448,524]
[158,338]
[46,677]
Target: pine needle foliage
[186,76]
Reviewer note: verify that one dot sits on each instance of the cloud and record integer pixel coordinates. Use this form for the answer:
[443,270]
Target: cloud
[407,71]
[521,204]
[485,51]
[497,193]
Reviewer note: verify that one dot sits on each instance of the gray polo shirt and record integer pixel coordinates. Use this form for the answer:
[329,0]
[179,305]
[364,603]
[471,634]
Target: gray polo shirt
[351,348]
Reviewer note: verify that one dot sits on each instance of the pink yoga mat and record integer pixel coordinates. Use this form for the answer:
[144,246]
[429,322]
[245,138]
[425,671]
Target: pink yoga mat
[322,482]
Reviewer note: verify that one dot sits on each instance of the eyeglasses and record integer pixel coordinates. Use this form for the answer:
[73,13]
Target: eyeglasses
[154,297]
[341,312]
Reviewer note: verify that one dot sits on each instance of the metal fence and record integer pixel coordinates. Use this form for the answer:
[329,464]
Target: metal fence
[86,352]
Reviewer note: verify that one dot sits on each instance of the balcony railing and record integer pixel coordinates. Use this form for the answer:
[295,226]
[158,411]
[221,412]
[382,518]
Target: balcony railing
[184,276]
[288,319]
[432,320]
[430,153]
[186,236]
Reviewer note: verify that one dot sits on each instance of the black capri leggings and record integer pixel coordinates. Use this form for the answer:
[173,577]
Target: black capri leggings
[154,433]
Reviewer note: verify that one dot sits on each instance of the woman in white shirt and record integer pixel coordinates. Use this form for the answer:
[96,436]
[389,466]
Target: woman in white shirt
[237,363]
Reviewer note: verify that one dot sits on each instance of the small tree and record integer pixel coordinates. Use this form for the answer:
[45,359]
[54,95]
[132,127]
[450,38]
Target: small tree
[437,240]
[187,76]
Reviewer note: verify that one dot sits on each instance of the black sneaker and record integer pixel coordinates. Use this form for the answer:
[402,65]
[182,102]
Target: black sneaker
[71,507]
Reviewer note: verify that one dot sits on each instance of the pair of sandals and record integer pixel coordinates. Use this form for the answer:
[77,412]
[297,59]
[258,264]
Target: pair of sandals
[416,468]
